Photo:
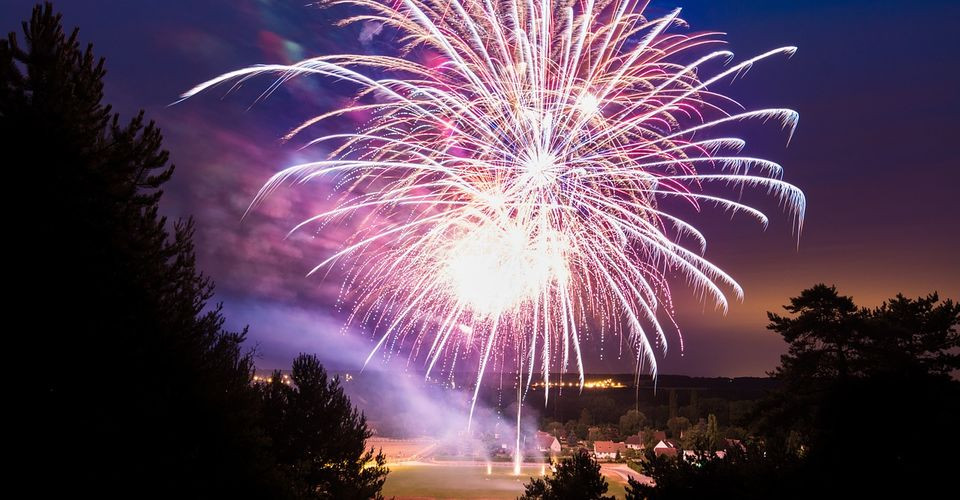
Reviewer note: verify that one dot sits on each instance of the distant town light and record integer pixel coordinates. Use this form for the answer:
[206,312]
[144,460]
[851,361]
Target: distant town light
[607,383]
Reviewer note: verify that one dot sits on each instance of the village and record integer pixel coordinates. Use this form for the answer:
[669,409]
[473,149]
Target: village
[540,448]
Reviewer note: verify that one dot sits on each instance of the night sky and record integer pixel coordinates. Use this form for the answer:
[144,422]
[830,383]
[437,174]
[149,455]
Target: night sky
[876,83]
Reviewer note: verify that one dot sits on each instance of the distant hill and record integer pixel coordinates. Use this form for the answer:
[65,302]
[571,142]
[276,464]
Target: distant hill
[402,403]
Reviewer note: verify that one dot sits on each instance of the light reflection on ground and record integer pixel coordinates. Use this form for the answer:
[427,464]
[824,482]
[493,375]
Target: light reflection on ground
[427,480]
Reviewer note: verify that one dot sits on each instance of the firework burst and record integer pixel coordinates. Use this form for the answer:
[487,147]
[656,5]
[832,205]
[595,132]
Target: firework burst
[512,195]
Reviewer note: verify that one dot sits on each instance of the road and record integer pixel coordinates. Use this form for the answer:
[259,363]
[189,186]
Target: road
[621,473]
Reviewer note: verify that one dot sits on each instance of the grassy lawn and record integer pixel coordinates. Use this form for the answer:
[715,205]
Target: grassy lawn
[449,481]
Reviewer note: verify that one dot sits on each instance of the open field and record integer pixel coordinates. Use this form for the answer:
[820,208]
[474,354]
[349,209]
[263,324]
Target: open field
[424,480]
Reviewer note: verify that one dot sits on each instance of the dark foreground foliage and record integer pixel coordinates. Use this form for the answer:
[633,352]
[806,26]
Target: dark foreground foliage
[745,472]
[867,408]
[136,388]
[577,477]
[867,393]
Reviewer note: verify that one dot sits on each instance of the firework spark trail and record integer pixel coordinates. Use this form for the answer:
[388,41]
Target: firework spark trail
[512,194]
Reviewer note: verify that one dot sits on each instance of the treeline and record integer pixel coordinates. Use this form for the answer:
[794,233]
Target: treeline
[601,419]
[682,408]
[676,404]
[136,388]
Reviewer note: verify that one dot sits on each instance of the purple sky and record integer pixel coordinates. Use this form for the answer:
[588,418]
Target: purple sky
[876,84]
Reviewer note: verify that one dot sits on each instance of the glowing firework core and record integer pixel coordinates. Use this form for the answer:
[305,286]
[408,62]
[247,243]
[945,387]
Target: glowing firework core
[497,269]
[540,168]
[588,104]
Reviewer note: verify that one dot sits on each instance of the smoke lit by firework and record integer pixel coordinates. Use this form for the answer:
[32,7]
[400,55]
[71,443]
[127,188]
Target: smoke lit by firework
[512,196]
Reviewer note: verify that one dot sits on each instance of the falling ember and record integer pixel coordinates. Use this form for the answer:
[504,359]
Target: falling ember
[518,192]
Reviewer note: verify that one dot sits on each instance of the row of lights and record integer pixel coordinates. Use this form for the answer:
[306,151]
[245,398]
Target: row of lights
[287,380]
[607,383]
[266,380]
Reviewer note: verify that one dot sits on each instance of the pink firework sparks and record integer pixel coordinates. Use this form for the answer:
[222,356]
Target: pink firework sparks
[509,188]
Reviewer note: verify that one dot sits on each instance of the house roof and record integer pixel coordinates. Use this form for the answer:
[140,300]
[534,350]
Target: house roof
[545,440]
[666,443]
[635,439]
[665,447]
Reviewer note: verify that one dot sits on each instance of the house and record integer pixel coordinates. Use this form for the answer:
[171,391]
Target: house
[608,449]
[636,442]
[666,447]
[546,443]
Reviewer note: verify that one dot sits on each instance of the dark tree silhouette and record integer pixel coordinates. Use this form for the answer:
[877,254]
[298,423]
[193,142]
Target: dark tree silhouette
[822,335]
[749,472]
[139,390]
[832,339]
[919,336]
[866,409]
[575,478]
[852,375]
[319,436]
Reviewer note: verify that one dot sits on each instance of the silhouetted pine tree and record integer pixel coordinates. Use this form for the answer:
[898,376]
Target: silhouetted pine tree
[319,437]
[141,392]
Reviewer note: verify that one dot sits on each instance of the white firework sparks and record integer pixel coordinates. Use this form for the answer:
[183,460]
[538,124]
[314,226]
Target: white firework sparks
[513,193]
